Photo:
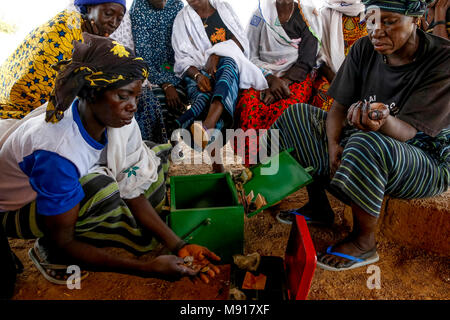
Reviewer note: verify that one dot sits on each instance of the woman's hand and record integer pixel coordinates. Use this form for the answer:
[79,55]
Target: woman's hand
[169,265]
[201,256]
[367,117]
[211,65]
[335,151]
[89,26]
[279,88]
[440,10]
[267,97]
[203,83]
[172,97]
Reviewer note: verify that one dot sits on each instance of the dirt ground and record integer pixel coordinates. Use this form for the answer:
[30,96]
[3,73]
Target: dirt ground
[406,273]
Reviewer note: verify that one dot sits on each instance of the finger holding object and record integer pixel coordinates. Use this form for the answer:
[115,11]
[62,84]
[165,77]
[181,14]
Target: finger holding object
[211,273]
[215,269]
[204,278]
[356,117]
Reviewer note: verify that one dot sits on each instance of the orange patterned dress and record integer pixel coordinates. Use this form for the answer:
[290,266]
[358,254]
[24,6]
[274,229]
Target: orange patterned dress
[352,30]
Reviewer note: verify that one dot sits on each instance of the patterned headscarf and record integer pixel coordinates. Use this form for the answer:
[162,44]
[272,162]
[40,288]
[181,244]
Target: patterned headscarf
[413,8]
[81,4]
[98,63]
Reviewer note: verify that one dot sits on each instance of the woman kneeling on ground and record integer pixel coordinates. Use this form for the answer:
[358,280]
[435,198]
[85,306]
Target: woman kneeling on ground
[387,132]
[97,184]
[211,54]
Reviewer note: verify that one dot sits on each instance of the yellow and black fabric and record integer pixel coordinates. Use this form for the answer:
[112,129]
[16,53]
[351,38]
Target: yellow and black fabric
[26,77]
[96,63]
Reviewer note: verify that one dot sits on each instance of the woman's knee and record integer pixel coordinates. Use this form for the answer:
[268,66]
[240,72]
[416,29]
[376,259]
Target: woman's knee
[374,142]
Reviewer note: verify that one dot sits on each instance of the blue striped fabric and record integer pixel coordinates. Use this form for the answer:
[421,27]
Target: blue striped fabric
[226,87]
[373,165]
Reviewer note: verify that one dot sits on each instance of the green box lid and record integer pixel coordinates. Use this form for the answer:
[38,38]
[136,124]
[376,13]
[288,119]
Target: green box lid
[275,184]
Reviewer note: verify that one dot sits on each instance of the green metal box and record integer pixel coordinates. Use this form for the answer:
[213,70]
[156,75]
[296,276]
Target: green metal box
[206,209]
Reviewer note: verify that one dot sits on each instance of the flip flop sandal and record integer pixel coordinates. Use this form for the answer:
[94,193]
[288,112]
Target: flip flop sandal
[364,259]
[54,273]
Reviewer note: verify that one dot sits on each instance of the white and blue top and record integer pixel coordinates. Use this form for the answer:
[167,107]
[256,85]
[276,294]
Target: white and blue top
[43,161]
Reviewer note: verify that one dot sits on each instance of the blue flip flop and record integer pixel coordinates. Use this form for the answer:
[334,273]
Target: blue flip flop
[364,259]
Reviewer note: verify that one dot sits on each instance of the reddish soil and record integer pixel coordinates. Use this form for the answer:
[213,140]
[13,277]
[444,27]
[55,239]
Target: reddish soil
[405,273]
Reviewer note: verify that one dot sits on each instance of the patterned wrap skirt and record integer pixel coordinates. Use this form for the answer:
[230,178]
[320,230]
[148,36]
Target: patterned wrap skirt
[254,114]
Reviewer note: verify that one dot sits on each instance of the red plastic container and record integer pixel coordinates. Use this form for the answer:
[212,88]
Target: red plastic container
[300,260]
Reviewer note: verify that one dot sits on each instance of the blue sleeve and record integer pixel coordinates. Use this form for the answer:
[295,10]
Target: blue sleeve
[55,180]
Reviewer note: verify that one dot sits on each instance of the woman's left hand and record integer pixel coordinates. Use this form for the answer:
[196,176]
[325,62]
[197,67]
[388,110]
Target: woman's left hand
[201,259]
[367,117]
[172,97]
[211,65]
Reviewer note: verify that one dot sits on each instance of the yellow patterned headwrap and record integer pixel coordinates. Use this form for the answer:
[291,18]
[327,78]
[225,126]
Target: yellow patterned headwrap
[98,62]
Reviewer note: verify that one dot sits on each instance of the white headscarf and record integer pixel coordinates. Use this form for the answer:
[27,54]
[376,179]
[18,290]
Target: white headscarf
[333,50]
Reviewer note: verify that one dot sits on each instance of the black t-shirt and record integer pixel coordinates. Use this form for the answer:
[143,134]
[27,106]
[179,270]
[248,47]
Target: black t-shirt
[417,93]
[296,28]
[216,29]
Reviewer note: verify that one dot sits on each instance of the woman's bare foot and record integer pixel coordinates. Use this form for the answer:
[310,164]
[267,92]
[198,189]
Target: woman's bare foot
[358,249]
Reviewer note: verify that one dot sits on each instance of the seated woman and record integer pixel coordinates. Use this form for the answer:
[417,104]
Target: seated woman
[27,76]
[285,46]
[437,19]
[388,130]
[97,185]
[341,28]
[147,29]
[211,54]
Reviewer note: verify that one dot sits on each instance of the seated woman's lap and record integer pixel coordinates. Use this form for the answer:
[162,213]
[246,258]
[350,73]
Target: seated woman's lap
[372,164]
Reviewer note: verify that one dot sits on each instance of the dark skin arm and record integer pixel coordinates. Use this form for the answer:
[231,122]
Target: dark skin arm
[327,72]
[358,116]
[278,89]
[203,82]
[213,60]
[146,215]
[60,230]
[440,14]
[335,122]
[172,96]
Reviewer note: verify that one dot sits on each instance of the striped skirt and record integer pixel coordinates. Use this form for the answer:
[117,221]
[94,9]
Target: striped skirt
[226,87]
[373,165]
[104,220]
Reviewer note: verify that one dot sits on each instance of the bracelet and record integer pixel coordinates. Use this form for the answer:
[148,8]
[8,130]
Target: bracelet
[439,22]
[196,75]
[180,244]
